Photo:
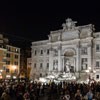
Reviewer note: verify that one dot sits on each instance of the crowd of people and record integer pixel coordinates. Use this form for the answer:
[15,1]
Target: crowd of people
[53,91]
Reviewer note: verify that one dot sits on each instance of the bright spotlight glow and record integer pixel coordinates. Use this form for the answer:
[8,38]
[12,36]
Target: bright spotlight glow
[42,80]
[8,76]
[14,77]
[50,77]
[14,67]
[87,71]
[1,70]
[74,77]
[94,71]
[89,68]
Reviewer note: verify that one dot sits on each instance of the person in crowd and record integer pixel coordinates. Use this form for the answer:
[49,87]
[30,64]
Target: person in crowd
[66,96]
[57,91]
[78,95]
[97,96]
[26,95]
[5,95]
[90,95]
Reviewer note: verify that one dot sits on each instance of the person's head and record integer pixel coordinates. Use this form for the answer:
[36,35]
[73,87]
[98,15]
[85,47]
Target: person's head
[78,91]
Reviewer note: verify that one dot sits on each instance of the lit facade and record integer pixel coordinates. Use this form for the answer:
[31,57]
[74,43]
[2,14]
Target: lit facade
[9,59]
[12,61]
[2,62]
[75,46]
[3,51]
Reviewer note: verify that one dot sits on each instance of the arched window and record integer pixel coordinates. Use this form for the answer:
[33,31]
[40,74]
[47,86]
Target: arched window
[41,52]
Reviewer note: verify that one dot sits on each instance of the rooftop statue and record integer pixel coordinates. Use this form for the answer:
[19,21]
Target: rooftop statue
[69,24]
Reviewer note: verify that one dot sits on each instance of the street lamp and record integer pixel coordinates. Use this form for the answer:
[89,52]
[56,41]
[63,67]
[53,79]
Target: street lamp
[14,67]
[1,74]
[1,70]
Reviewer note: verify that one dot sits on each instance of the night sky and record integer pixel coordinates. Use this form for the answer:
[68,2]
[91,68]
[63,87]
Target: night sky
[26,21]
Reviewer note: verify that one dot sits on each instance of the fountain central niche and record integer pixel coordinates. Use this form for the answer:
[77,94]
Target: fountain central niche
[67,73]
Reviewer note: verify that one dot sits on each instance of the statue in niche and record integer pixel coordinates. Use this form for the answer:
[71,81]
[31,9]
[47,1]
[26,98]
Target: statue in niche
[67,66]
[55,52]
[55,65]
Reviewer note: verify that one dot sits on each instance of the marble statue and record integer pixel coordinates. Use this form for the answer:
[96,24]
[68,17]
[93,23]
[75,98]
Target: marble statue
[67,67]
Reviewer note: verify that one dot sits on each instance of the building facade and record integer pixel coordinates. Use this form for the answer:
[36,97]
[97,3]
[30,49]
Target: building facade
[3,51]
[12,61]
[9,59]
[77,47]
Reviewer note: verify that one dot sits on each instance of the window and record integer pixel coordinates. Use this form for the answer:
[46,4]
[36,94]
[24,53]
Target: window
[97,76]
[84,59]
[47,65]
[97,64]
[16,56]
[41,65]
[16,63]
[97,47]
[7,62]
[41,52]
[84,50]
[97,36]
[47,51]
[35,65]
[8,55]
[7,70]
[35,52]
[84,63]
[4,67]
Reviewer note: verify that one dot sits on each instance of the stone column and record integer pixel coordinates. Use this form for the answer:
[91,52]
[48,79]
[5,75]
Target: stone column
[78,58]
[62,67]
[59,59]
[74,63]
[89,52]
[51,60]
